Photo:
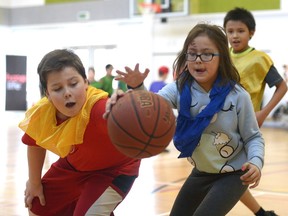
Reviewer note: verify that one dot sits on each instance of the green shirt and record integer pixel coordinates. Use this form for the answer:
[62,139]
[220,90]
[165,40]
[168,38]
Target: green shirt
[96,84]
[106,84]
[122,85]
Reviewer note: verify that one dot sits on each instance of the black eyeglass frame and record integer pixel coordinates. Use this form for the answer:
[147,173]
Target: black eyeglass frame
[211,56]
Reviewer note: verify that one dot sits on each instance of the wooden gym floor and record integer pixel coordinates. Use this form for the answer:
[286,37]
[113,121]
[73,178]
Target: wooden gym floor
[160,177]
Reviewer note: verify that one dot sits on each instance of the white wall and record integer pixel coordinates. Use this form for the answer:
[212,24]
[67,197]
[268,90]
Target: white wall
[138,41]
[4,32]
[20,3]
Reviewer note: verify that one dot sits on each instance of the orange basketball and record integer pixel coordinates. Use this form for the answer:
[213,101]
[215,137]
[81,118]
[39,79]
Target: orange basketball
[141,124]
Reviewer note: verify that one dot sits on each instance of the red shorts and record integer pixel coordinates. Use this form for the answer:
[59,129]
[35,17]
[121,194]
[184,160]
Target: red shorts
[70,192]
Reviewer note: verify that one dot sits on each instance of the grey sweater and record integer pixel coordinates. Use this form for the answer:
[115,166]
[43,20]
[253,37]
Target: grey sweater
[232,137]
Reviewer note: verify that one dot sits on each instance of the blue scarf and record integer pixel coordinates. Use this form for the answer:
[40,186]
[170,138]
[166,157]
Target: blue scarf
[188,129]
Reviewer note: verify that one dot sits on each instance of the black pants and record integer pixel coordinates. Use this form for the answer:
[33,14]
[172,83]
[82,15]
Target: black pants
[205,194]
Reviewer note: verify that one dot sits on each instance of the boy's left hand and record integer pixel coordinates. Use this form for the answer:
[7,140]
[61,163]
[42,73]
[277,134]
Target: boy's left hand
[252,176]
[112,100]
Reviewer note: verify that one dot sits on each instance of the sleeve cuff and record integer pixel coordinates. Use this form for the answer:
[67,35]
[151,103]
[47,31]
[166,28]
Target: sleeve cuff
[137,87]
[257,162]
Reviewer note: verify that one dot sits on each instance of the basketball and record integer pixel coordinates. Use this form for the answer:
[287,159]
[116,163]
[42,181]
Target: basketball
[141,124]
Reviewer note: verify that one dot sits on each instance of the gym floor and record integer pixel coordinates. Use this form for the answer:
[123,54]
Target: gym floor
[160,177]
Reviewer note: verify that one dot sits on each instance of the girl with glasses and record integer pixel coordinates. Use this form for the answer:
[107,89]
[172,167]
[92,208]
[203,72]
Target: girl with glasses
[216,128]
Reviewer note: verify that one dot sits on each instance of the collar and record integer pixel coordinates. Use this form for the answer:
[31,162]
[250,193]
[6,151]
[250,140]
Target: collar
[40,123]
[241,53]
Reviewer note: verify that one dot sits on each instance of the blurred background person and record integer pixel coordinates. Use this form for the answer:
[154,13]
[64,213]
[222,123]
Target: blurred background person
[285,67]
[108,83]
[155,86]
[91,78]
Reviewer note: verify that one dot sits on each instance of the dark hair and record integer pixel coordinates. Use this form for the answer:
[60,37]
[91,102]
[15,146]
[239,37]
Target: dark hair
[108,66]
[243,15]
[217,35]
[91,69]
[57,60]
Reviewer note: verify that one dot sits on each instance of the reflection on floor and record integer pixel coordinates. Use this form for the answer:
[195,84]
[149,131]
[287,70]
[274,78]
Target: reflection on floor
[160,177]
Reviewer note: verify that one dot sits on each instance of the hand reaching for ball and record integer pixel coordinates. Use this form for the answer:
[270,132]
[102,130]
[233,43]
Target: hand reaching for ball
[132,78]
[112,101]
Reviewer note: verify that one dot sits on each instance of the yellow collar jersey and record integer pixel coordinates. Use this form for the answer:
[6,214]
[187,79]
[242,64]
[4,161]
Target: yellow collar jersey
[40,123]
[253,66]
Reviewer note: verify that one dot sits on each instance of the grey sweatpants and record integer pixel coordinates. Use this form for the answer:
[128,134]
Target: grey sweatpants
[205,194]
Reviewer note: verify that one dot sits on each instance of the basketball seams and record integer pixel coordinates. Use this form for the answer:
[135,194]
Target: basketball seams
[150,136]
[140,152]
[131,136]
[147,144]
[134,104]
[154,127]
[120,127]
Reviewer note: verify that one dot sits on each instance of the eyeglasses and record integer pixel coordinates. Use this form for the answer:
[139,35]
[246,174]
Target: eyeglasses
[205,57]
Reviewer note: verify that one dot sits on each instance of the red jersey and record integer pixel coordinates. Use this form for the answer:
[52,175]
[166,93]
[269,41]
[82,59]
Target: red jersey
[97,152]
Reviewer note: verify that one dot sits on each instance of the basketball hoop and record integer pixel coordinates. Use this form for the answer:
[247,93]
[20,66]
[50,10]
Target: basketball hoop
[149,8]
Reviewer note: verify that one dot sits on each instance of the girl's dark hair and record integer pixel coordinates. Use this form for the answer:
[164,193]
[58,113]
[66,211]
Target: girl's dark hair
[57,60]
[243,15]
[217,35]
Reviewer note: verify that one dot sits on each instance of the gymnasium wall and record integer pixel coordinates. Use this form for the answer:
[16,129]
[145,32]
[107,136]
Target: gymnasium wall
[216,6]
[67,12]
[121,42]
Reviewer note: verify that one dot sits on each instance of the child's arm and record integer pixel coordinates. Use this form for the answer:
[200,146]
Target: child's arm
[253,141]
[281,89]
[36,157]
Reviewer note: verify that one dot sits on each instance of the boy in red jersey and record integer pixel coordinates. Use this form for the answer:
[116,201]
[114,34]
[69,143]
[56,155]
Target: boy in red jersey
[91,176]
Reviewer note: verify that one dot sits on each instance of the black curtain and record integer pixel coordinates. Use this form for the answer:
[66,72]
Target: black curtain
[16,82]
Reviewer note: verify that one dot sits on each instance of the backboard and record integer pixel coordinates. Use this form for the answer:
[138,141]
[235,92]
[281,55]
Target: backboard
[169,8]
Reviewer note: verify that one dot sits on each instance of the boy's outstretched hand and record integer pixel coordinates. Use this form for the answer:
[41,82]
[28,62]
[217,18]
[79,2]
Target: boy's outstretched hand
[132,78]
